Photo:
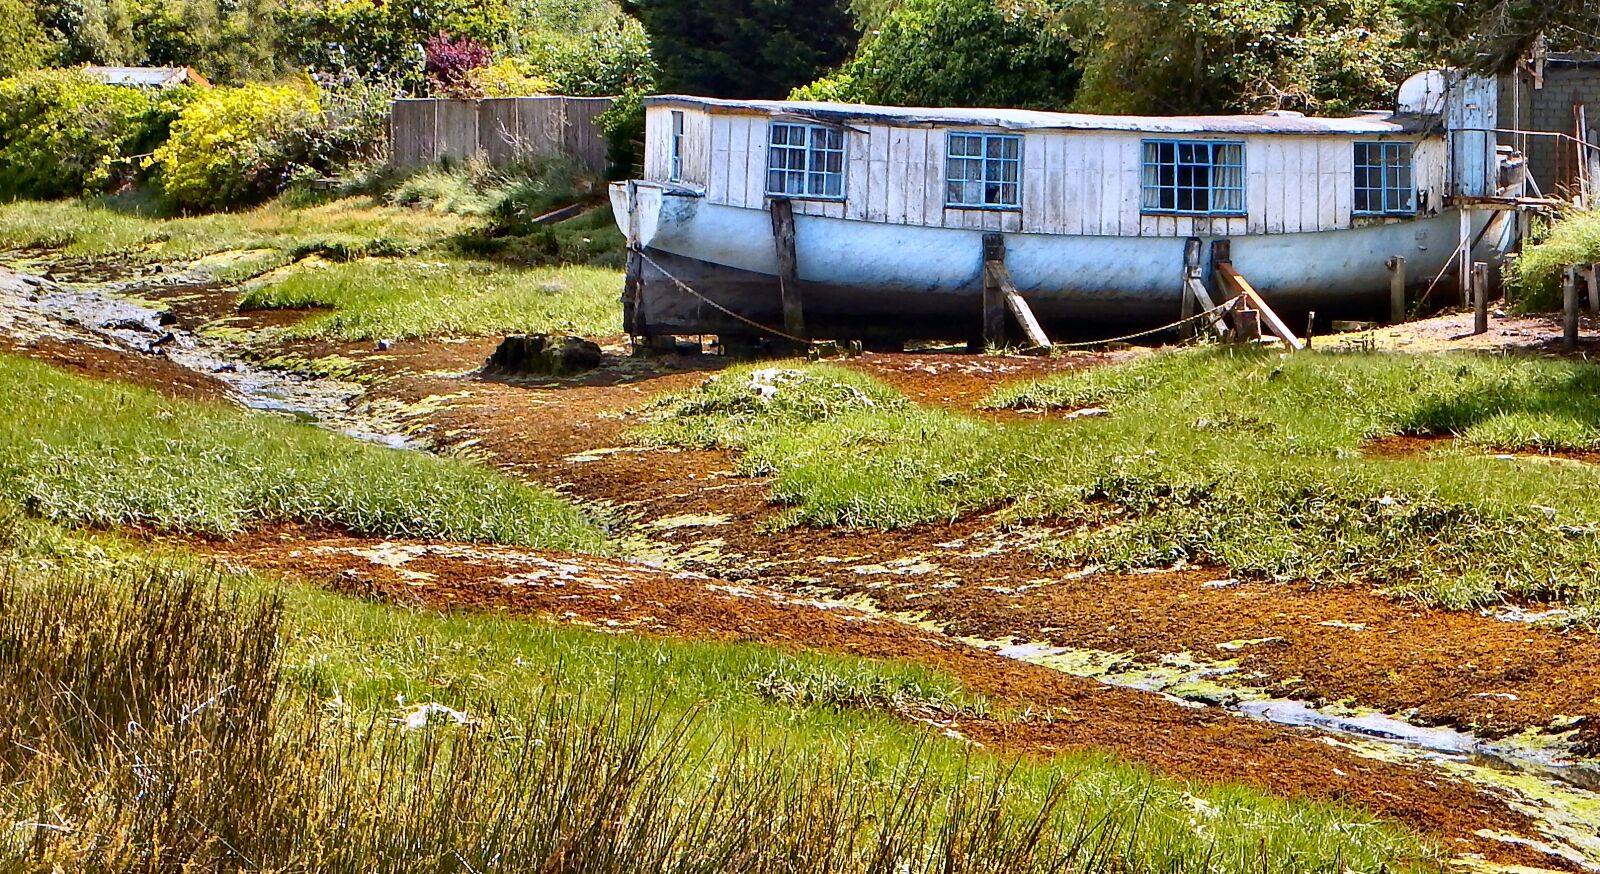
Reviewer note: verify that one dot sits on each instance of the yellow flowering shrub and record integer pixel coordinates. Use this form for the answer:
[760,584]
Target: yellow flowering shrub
[233,146]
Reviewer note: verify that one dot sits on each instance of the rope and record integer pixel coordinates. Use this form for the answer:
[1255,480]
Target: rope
[684,286]
[1211,314]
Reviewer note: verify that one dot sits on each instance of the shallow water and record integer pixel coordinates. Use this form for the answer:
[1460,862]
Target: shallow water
[31,307]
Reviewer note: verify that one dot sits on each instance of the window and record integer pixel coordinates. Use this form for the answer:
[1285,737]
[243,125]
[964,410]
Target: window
[675,174]
[805,160]
[983,170]
[1193,177]
[1383,178]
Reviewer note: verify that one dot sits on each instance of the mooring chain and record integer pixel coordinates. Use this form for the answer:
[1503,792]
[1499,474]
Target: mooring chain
[1211,313]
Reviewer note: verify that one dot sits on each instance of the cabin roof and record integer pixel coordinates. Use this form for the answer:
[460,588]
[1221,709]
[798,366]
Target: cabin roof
[147,77]
[1372,123]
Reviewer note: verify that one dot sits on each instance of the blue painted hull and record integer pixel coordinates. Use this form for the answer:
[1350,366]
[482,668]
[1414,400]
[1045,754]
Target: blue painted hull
[862,279]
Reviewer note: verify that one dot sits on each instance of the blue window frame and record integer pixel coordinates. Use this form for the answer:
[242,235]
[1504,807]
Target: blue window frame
[805,160]
[1198,177]
[983,171]
[675,173]
[1383,179]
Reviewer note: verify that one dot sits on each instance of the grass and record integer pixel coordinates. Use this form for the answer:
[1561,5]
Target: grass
[1535,274]
[158,711]
[374,299]
[116,229]
[1240,458]
[80,451]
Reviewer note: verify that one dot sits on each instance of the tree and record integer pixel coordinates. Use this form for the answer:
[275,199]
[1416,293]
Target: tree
[744,48]
[1177,56]
[1491,34]
[962,53]
[24,45]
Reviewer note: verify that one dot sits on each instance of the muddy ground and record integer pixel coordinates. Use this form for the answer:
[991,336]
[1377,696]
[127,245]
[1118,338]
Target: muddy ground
[954,596]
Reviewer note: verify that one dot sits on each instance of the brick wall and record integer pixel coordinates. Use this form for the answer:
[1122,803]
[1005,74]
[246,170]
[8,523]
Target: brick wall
[1550,161]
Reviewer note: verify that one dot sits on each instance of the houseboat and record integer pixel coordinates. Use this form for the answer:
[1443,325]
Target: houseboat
[1098,215]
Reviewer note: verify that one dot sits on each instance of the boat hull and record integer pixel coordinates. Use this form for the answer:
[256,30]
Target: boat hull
[880,281]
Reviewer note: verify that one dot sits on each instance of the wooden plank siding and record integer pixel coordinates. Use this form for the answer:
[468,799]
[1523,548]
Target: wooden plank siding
[1073,182]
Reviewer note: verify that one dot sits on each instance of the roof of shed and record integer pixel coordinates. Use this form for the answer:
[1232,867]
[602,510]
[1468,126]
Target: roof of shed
[1373,123]
[148,77]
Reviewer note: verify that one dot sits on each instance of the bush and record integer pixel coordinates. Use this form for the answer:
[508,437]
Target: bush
[1534,277]
[960,53]
[236,146]
[63,134]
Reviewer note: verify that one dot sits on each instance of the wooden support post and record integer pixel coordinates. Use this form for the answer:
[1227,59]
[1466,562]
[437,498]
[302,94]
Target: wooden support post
[1246,323]
[794,320]
[1464,257]
[1397,289]
[1480,297]
[994,301]
[1311,327]
[1594,288]
[1191,277]
[1569,309]
[1254,303]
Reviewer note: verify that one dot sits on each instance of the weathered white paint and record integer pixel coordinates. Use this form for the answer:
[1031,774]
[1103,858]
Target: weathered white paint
[1073,181]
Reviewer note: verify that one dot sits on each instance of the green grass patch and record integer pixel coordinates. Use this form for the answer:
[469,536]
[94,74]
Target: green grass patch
[1534,275]
[102,228]
[170,713]
[1242,458]
[374,299]
[80,451]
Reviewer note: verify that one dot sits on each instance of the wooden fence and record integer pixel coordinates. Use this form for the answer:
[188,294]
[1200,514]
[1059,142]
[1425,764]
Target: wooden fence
[500,130]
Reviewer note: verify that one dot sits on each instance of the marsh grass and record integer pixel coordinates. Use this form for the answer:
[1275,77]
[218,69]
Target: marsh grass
[159,718]
[445,296]
[1534,275]
[80,451]
[1246,459]
[109,228]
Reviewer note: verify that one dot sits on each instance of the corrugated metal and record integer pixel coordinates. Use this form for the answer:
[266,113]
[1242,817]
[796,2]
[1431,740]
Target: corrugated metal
[1023,119]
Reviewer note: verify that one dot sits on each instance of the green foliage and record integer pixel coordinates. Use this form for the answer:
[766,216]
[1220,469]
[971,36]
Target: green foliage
[63,134]
[24,45]
[744,48]
[623,126]
[1533,277]
[961,53]
[78,451]
[374,299]
[610,57]
[234,146]
[1233,457]
[1170,56]
[271,235]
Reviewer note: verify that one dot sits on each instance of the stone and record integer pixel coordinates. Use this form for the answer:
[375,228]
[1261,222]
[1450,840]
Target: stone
[544,355]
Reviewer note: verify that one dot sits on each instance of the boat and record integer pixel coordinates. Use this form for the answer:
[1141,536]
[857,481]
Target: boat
[878,216]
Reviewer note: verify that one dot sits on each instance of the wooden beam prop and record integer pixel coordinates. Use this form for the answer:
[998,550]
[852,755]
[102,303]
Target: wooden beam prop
[1191,275]
[1569,309]
[1480,297]
[1397,289]
[794,320]
[1594,288]
[994,302]
[1253,301]
[1000,294]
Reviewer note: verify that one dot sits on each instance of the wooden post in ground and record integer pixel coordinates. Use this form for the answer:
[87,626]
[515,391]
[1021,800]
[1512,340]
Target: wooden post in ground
[1594,288]
[1464,257]
[1259,313]
[794,320]
[1569,309]
[1191,277]
[1480,297]
[1397,289]
[994,300]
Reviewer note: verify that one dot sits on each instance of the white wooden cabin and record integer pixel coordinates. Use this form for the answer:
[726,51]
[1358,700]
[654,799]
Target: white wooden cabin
[891,205]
